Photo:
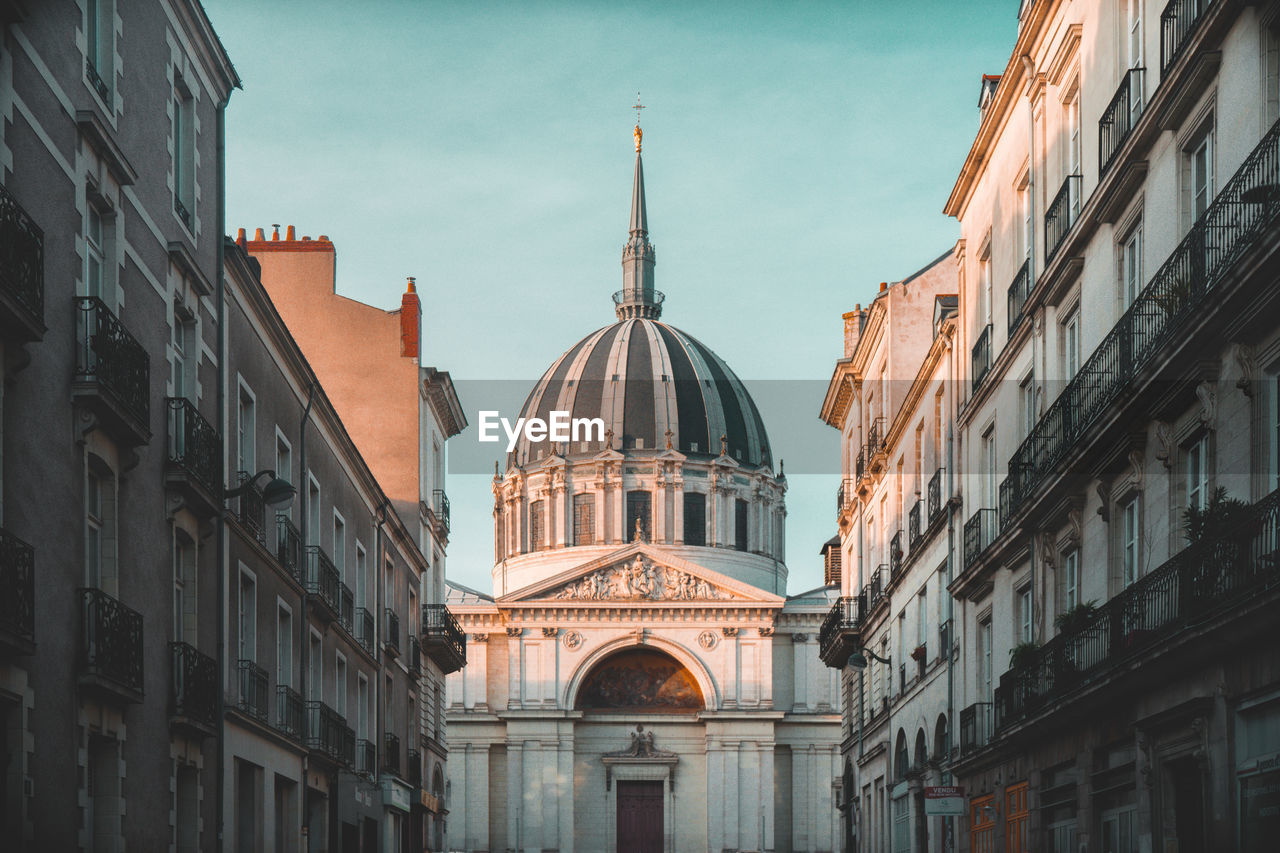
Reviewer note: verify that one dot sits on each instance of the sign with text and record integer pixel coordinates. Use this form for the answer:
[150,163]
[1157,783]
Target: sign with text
[943,800]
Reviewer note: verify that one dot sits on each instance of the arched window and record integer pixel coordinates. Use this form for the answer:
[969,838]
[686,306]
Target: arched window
[640,679]
[922,751]
[940,739]
[900,756]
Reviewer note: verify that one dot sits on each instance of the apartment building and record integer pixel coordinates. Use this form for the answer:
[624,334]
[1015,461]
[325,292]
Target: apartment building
[1117,436]
[890,632]
[110,115]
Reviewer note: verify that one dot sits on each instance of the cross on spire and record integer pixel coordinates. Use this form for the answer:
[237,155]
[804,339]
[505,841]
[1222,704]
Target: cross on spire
[638,107]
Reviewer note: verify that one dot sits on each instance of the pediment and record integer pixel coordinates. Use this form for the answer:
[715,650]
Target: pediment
[641,573]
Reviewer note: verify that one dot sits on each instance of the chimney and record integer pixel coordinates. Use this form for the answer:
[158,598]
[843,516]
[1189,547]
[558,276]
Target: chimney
[289,234]
[410,320]
[852,329]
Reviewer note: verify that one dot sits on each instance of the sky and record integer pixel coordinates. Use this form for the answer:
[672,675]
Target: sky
[795,155]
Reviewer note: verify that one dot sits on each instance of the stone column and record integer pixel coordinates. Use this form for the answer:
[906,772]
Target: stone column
[800,645]
[475,674]
[560,528]
[620,533]
[514,652]
[750,793]
[659,521]
[730,657]
[477,803]
[677,510]
[716,759]
[564,789]
[766,787]
[515,771]
[803,806]
[732,792]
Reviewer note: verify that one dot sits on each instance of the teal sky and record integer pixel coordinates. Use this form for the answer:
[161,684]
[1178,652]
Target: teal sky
[796,154]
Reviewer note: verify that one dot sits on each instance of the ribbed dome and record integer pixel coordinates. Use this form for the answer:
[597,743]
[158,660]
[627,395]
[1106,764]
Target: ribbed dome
[643,378]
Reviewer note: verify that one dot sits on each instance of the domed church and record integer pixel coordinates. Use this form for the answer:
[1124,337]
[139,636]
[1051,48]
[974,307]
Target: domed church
[640,681]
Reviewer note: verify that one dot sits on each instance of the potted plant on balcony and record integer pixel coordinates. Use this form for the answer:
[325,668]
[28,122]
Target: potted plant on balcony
[1023,656]
[919,654]
[1075,620]
[1216,532]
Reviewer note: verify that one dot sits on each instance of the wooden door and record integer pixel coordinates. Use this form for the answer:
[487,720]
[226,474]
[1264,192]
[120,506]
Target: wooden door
[639,817]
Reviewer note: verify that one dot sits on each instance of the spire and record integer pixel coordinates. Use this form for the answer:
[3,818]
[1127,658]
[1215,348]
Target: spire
[638,297]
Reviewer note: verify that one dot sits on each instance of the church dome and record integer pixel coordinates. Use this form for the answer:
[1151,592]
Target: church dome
[649,382]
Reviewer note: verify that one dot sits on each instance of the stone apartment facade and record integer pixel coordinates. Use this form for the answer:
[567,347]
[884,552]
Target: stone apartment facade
[1117,687]
[170,670]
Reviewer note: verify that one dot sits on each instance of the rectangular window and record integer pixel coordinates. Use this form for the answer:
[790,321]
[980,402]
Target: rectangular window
[1119,830]
[984,291]
[695,518]
[740,525]
[284,646]
[1027,403]
[246,440]
[584,519]
[1131,267]
[1200,162]
[1198,473]
[922,616]
[388,706]
[989,487]
[1070,579]
[100,45]
[537,526]
[340,546]
[184,592]
[1130,544]
[362,575]
[638,504]
[340,684]
[184,345]
[184,153]
[1024,221]
[94,255]
[1024,612]
[313,511]
[362,707]
[315,669]
[937,429]
[102,781]
[985,678]
[248,618]
[1134,22]
[1071,345]
[284,459]
[94,532]
[1073,147]
[1271,71]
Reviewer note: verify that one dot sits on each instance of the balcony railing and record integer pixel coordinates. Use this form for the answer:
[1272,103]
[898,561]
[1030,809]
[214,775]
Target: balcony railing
[895,555]
[838,638]
[17,592]
[194,445]
[21,262]
[440,504]
[110,640]
[975,727]
[1018,292]
[413,768]
[1213,576]
[982,356]
[1060,215]
[914,529]
[366,757]
[979,532]
[193,686]
[391,753]
[442,638]
[391,626]
[95,80]
[251,511]
[860,464]
[876,589]
[415,657]
[112,360]
[874,445]
[253,689]
[846,494]
[323,581]
[289,546]
[365,630]
[1248,204]
[347,608]
[945,639]
[290,717]
[1119,118]
[935,494]
[329,734]
[1178,23]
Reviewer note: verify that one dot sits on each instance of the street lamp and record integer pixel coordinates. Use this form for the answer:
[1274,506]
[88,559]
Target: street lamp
[858,660]
[278,493]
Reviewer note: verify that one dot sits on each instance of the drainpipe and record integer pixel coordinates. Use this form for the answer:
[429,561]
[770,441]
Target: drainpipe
[379,614]
[220,522]
[302,600]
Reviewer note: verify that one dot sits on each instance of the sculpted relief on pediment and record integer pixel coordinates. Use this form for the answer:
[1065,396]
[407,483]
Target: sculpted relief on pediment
[639,580]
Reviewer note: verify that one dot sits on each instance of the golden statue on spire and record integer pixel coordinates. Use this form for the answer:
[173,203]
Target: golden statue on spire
[638,133]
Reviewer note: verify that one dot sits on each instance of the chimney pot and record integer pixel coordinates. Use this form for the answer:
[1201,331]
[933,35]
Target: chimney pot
[275,232]
[324,237]
[884,285]
[258,235]
[290,234]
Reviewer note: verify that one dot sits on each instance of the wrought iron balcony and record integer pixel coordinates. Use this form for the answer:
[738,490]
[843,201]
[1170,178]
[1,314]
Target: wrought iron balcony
[413,768]
[876,589]
[252,697]
[442,638]
[895,555]
[979,532]
[1119,118]
[846,494]
[289,546]
[415,657]
[391,626]
[195,456]
[365,631]
[945,639]
[975,727]
[17,595]
[329,735]
[1060,215]
[113,371]
[1018,292]
[110,645]
[1248,206]
[193,689]
[840,635]
[366,757]
[289,713]
[440,505]
[935,494]
[347,608]
[914,528]
[21,271]
[1211,578]
[1178,23]
[860,465]
[251,510]
[391,753]
[323,584]
[982,356]
[95,80]
[183,213]
[873,450]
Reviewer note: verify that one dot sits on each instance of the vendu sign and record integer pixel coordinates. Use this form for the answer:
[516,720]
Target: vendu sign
[943,800]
